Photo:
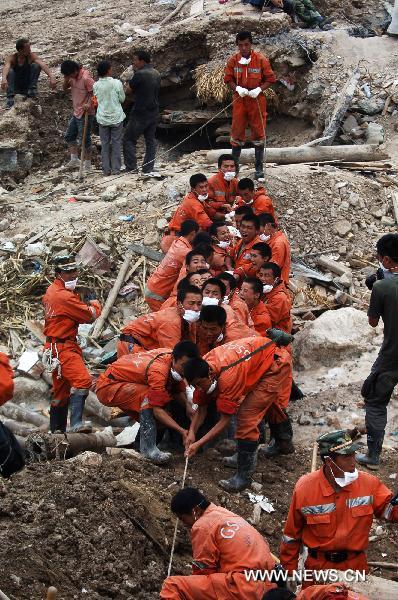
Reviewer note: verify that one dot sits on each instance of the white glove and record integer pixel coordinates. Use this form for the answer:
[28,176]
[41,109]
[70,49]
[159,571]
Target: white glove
[241,91]
[254,93]
[189,391]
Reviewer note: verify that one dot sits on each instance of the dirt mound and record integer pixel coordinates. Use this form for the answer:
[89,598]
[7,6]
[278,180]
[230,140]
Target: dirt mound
[73,526]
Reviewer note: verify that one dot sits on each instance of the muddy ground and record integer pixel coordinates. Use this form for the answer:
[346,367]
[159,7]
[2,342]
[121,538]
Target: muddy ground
[70,526]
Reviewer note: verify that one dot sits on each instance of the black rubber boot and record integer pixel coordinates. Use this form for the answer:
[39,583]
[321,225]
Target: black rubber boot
[76,403]
[259,162]
[236,150]
[148,447]
[58,418]
[281,443]
[371,460]
[247,458]
[231,461]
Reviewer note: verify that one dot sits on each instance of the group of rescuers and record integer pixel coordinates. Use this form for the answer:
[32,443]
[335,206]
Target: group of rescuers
[213,358]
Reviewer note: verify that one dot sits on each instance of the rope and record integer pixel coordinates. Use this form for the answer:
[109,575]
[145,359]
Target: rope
[176,525]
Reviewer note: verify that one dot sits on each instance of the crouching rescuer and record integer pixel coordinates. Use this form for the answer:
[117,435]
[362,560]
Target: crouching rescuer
[64,312]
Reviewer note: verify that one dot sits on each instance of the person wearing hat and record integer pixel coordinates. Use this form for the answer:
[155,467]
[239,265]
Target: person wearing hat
[64,312]
[332,510]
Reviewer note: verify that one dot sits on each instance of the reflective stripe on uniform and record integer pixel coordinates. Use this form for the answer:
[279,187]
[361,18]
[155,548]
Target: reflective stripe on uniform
[253,70]
[289,540]
[318,509]
[152,295]
[360,501]
[200,565]
[219,193]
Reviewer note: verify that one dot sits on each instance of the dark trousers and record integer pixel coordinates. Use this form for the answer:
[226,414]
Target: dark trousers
[14,86]
[140,124]
[111,151]
[377,391]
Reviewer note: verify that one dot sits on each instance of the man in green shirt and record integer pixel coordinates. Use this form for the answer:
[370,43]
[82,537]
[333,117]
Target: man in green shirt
[110,116]
[379,386]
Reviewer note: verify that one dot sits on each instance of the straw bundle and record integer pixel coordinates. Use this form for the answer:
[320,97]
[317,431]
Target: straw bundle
[210,86]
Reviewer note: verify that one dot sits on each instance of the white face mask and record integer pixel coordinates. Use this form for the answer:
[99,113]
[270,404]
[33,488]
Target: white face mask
[70,285]
[191,316]
[244,61]
[212,387]
[224,244]
[267,288]
[381,266]
[176,376]
[229,176]
[220,338]
[226,300]
[348,477]
[207,301]
[263,237]
[202,198]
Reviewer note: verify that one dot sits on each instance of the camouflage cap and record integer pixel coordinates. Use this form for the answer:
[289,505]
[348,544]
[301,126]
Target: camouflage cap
[337,442]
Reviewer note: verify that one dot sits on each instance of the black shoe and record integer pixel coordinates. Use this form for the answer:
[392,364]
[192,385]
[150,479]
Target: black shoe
[148,447]
[371,460]
[10,103]
[247,459]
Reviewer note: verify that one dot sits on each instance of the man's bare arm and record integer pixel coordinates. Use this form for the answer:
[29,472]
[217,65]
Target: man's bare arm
[46,69]
[6,70]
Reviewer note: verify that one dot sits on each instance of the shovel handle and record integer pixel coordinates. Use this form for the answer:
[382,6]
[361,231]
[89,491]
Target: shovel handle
[51,593]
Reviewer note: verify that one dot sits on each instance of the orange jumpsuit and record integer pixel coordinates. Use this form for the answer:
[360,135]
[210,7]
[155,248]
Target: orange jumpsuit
[279,304]
[240,309]
[261,318]
[240,254]
[218,264]
[234,330]
[262,203]
[162,280]
[243,388]
[137,380]
[6,379]
[190,208]
[249,111]
[64,312]
[332,591]
[221,191]
[164,328]
[224,546]
[279,384]
[281,254]
[328,521]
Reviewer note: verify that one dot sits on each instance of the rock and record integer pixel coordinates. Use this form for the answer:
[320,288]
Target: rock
[390,222]
[342,227]
[151,238]
[350,123]
[4,224]
[345,280]
[315,90]
[161,224]
[370,106]
[377,212]
[335,336]
[374,134]
[30,390]
[87,459]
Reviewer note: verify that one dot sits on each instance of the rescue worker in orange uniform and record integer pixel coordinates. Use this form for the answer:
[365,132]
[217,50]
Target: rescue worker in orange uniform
[64,312]
[260,254]
[332,510]
[224,546]
[279,244]
[215,329]
[258,200]
[213,291]
[251,292]
[221,242]
[249,74]
[195,260]
[240,257]
[193,206]
[164,328]
[331,591]
[232,298]
[6,379]
[235,376]
[163,279]
[276,298]
[223,186]
[142,385]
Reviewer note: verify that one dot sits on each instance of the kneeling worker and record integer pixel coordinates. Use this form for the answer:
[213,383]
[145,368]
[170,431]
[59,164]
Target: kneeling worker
[332,510]
[64,312]
[224,546]
[142,385]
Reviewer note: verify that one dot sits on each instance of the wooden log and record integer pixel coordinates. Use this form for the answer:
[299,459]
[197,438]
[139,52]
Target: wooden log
[18,413]
[94,408]
[305,154]
[145,251]
[175,12]
[394,200]
[373,587]
[344,101]
[19,428]
[111,297]
[332,265]
[62,446]
[383,565]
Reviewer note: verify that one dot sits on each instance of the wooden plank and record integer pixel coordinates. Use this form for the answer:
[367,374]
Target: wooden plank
[394,200]
[145,251]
